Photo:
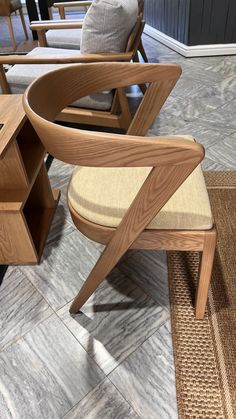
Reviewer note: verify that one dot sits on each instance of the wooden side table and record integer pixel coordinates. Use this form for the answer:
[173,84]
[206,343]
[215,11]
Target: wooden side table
[27,202]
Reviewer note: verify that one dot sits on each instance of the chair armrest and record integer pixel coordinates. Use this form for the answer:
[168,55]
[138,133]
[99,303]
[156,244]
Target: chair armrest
[44,25]
[86,58]
[72,4]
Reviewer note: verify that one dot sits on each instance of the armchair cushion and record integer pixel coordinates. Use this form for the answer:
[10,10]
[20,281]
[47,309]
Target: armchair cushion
[103,195]
[107,25]
[64,38]
[21,75]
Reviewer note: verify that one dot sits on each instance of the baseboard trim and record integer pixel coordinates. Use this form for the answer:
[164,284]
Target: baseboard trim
[190,51]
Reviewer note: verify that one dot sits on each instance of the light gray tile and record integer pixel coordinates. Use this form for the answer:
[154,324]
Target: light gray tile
[213,95]
[224,153]
[209,164]
[45,373]
[104,402]
[22,307]
[147,380]
[148,269]
[61,225]
[59,175]
[66,263]
[207,136]
[223,117]
[114,321]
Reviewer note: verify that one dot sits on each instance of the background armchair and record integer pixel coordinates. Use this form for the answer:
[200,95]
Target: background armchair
[52,35]
[61,5]
[7,7]
[129,191]
[114,43]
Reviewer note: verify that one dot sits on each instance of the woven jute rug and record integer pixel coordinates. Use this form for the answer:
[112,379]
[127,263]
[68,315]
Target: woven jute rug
[205,350]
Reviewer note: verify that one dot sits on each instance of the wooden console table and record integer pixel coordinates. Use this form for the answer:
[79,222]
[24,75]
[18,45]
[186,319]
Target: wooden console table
[27,202]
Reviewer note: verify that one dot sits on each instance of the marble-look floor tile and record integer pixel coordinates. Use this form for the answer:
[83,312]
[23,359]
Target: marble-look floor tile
[223,117]
[22,307]
[224,152]
[189,109]
[59,175]
[147,379]
[148,270]
[115,321]
[61,225]
[104,402]
[207,136]
[45,373]
[213,95]
[209,164]
[64,267]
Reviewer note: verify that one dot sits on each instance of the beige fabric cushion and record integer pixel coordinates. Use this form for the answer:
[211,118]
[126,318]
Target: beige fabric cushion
[107,25]
[21,75]
[103,195]
[64,38]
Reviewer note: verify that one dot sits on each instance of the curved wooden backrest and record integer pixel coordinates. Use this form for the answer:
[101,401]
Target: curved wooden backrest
[51,93]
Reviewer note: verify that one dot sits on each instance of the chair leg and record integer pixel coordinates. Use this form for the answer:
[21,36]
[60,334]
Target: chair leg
[23,23]
[205,272]
[102,268]
[13,42]
[50,13]
[136,58]
[142,51]
[62,13]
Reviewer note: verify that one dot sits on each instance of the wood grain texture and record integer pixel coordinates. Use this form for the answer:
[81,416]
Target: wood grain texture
[55,24]
[206,265]
[81,58]
[11,32]
[23,23]
[12,122]
[3,81]
[27,202]
[73,4]
[172,161]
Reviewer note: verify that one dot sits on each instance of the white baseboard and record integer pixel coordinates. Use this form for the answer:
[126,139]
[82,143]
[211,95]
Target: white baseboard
[190,51]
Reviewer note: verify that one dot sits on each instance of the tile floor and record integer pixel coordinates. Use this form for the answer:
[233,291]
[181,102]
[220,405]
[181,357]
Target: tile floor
[115,360]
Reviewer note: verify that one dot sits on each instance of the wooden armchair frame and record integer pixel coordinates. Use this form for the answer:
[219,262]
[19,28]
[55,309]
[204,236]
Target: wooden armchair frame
[6,9]
[171,161]
[119,115]
[63,5]
[41,27]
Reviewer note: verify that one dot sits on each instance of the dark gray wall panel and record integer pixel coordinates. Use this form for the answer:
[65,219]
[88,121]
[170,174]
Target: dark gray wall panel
[194,22]
[169,16]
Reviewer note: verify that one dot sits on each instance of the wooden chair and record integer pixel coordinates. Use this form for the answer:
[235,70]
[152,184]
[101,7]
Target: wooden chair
[116,114]
[7,7]
[53,35]
[61,5]
[129,191]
